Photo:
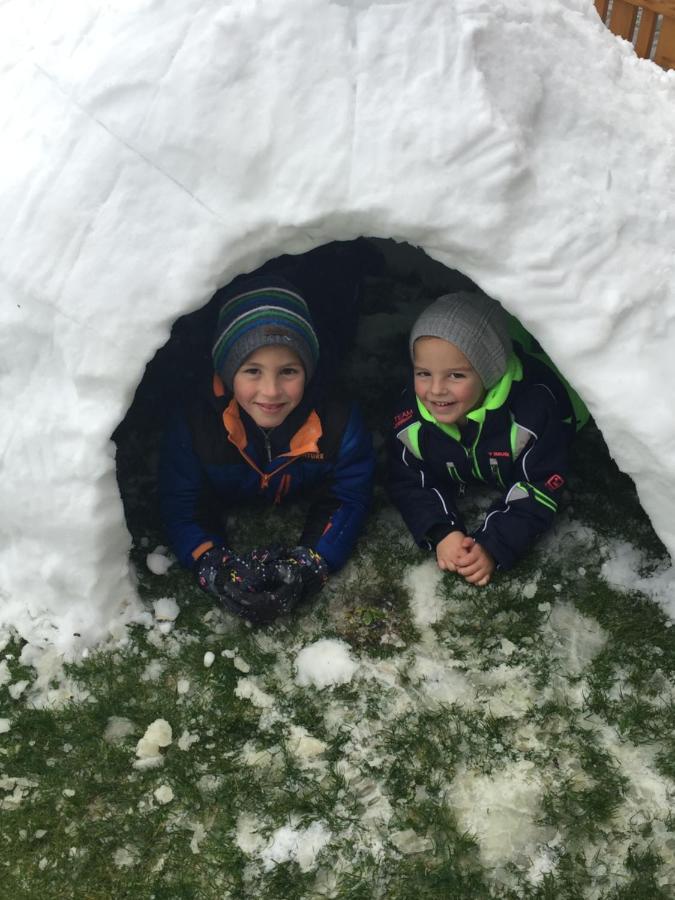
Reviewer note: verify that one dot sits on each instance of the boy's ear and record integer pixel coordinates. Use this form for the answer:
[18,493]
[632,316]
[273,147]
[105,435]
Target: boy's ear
[218,386]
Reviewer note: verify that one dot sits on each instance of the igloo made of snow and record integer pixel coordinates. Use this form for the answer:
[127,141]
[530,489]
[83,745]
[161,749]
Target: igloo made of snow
[152,151]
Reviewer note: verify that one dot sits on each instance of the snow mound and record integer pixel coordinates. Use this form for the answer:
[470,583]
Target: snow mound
[324,663]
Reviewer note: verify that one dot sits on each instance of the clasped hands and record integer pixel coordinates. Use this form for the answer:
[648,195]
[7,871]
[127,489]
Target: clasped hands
[461,554]
[262,584]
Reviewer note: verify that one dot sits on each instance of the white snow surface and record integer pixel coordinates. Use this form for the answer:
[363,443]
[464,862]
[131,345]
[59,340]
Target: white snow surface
[152,151]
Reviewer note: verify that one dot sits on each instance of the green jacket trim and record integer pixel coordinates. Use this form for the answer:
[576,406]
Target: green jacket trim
[410,438]
[494,398]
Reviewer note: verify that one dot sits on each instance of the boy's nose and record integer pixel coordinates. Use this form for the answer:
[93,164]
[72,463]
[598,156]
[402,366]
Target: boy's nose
[269,387]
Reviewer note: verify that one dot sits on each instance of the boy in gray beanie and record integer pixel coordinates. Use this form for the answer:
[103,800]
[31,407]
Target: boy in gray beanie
[479,409]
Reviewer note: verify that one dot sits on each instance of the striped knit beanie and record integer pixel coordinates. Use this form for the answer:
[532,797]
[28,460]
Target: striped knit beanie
[268,313]
[476,324]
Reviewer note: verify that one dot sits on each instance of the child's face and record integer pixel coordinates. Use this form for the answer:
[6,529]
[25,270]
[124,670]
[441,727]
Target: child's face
[269,385]
[445,381]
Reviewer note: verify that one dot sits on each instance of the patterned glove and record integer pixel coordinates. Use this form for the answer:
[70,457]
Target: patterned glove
[259,608]
[307,565]
[220,564]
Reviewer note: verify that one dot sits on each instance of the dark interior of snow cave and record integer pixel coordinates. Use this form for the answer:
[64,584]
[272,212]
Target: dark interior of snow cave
[366,354]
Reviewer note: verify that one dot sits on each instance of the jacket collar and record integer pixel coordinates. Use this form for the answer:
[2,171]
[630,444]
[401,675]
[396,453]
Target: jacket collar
[494,400]
[298,434]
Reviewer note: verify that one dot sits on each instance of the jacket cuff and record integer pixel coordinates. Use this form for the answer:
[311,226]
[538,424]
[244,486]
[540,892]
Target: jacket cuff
[436,533]
[504,558]
[201,550]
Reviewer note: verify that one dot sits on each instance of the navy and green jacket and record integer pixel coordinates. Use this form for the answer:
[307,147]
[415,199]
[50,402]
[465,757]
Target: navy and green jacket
[516,442]
[215,457]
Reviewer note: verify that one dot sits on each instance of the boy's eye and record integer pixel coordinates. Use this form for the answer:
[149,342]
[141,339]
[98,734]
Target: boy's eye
[456,376]
[421,373]
[290,371]
[250,370]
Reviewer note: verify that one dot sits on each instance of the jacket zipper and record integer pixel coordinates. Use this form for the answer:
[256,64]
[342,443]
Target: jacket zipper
[268,444]
[496,474]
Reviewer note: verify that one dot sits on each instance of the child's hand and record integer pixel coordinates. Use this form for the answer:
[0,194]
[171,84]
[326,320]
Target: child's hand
[477,565]
[450,551]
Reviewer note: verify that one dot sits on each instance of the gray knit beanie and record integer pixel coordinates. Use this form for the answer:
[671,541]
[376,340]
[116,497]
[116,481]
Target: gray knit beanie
[476,324]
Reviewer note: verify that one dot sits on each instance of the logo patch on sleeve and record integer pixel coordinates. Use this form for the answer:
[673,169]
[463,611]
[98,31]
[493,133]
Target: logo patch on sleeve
[403,417]
[555,482]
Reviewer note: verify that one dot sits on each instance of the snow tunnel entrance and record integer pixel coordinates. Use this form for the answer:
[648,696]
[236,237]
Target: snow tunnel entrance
[365,354]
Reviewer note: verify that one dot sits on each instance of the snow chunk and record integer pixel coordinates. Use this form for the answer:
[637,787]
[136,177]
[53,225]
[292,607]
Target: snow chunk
[153,670]
[5,674]
[17,689]
[158,734]
[408,841]
[303,745]
[325,663]
[117,729]
[186,740]
[209,784]
[5,725]
[125,857]
[19,787]
[530,589]
[247,689]
[209,658]
[157,562]
[198,835]
[163,794]
[165,609]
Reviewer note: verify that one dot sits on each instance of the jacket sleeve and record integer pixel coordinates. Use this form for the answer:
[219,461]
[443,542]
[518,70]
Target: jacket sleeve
[528,507]
[183,490]
[336,516]
[427,508]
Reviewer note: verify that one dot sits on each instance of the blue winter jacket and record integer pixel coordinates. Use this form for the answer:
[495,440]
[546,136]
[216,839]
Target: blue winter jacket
[215,457]
[517,442]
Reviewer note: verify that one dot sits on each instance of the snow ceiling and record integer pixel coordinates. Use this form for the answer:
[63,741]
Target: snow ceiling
[153,149]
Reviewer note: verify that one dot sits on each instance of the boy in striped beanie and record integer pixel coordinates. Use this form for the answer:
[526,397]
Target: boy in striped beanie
[269,431]
[263,316]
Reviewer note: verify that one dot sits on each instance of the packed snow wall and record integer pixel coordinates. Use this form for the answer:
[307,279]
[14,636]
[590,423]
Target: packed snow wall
[153,150]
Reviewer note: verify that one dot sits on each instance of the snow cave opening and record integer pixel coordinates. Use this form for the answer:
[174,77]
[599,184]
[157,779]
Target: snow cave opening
[398,281]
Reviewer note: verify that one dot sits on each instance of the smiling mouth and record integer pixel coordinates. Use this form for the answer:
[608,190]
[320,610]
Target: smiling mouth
[270,407]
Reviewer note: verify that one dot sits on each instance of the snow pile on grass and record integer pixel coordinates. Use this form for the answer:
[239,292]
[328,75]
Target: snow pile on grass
[325,663]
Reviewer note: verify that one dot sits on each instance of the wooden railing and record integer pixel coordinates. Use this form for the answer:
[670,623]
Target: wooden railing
[649,24]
